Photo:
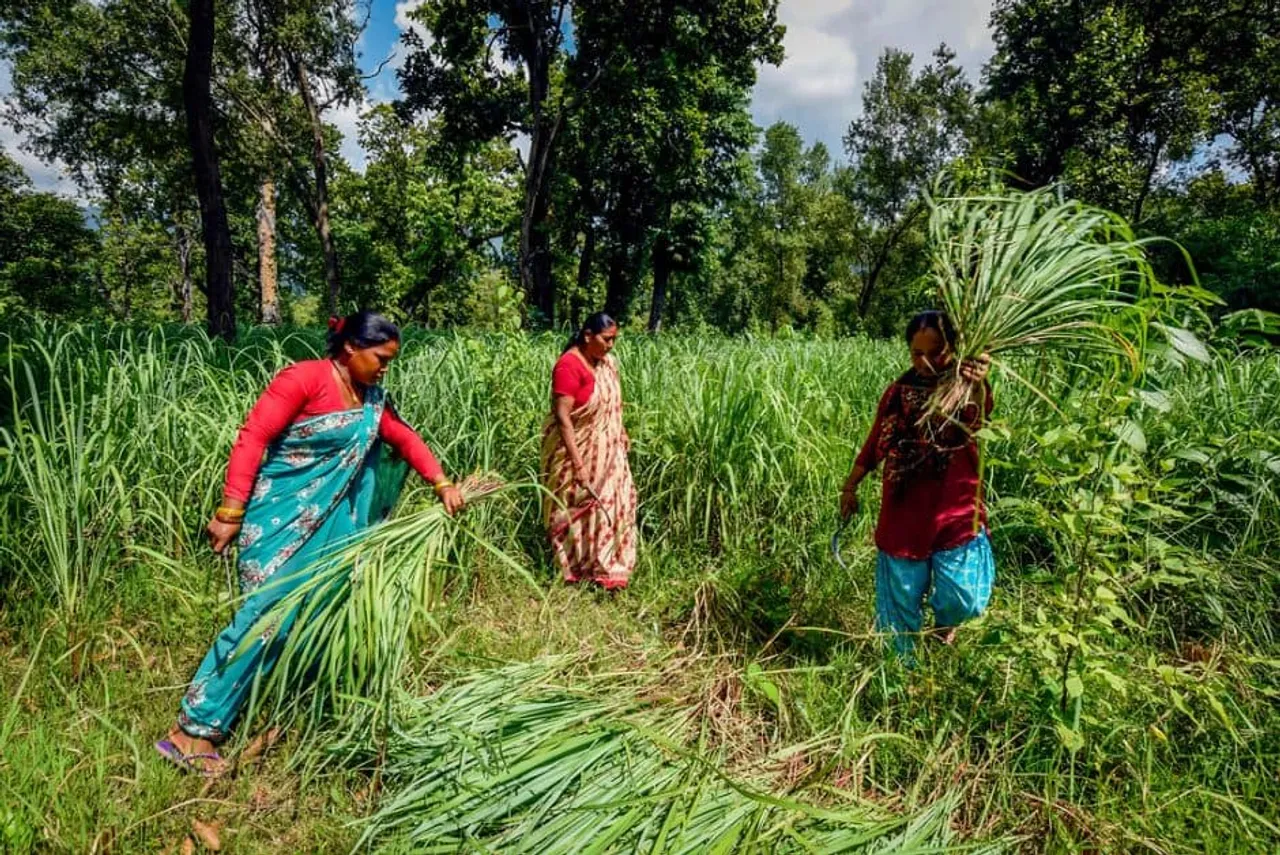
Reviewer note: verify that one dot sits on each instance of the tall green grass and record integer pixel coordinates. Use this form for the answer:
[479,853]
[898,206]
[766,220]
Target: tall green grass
[113,443]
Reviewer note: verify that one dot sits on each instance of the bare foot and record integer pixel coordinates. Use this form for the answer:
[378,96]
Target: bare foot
[192,745]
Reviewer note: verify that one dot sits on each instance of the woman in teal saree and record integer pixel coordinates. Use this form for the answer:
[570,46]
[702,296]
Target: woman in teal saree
[324,426]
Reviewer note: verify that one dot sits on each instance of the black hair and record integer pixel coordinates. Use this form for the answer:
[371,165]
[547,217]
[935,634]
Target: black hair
[933,320]
[595,324]
[362,329]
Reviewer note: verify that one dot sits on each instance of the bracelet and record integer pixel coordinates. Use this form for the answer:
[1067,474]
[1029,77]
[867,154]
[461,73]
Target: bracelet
[229,515]
[442,484]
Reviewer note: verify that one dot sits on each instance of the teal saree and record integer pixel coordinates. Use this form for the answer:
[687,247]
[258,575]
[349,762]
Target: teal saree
[322,482]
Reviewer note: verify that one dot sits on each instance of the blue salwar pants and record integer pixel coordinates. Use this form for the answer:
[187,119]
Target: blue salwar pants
[957,583]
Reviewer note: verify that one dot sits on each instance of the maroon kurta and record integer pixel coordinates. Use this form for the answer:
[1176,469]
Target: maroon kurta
[925,511]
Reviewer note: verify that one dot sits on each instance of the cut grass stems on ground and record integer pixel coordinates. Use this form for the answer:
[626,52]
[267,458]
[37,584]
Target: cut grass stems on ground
[351,627]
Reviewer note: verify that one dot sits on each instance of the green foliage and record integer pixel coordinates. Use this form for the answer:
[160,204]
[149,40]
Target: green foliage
[1018,270]
[1234,240]
[912,126]
[47,252]
[1134,531]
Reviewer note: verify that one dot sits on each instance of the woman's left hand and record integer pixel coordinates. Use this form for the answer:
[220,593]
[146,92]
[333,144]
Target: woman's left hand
[451,498]
[975,369]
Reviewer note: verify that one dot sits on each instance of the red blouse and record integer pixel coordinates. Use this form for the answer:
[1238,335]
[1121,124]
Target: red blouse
[302,391]
[926,515]
[571,377]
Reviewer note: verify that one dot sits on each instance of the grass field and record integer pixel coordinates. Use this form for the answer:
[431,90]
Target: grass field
[1120,695]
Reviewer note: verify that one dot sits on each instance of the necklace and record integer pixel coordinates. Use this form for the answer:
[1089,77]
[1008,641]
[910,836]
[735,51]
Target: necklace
[346,381]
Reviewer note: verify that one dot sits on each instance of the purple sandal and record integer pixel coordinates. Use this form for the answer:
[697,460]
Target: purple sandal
[174,755]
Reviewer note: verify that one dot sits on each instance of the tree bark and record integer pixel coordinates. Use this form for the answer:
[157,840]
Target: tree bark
[320,206]
[618,290]
[624,231]
[1153,163]
[268,291]
[535,243]
[198,103]
[185,297]
[537,47]
[661,276]
[586,262]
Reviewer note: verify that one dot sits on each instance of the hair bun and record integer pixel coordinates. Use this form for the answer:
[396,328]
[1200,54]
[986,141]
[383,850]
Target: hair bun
[336,324]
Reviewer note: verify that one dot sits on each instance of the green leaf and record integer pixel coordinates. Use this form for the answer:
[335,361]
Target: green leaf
[1186,342]
[1131,435]
[1155,399]
[1075,687]
[1071,738]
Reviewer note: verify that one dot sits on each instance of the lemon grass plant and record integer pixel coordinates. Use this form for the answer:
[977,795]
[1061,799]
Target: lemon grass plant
[349,627]
[1018,270]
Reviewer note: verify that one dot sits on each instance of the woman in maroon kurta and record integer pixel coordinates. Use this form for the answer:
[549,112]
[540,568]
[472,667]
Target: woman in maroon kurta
[931,534]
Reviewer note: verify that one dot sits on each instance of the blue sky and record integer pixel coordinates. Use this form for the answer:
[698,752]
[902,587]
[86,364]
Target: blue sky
[831,48]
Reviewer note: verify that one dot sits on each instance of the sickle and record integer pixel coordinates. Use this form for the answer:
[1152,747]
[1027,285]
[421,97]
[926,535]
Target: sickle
[835,545]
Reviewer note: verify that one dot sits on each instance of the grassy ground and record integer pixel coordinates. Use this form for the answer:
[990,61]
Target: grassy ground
[1119,696]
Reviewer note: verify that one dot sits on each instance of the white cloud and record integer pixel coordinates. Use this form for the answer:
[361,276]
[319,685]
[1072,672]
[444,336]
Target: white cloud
[404,23]
[50,178]
[832,47]
[346,120]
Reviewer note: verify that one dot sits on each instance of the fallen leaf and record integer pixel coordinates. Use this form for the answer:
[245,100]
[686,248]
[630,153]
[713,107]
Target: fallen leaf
[260,745]
[188,846]
[208,834]
[261,798]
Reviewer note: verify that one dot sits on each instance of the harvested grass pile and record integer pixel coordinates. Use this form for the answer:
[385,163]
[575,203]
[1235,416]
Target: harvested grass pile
[518,760]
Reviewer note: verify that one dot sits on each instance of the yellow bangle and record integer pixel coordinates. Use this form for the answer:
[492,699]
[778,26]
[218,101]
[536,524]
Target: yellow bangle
[235,514]
[443,484]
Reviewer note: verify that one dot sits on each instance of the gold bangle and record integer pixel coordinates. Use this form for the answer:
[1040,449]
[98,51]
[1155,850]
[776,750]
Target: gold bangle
[235,514]
[442,484]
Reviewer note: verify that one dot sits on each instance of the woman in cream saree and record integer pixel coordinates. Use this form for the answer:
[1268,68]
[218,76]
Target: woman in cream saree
[590,508]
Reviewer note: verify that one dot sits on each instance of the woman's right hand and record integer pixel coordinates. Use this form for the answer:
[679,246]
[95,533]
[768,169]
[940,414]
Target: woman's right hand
[451,498]
[580,480]
[849,499]
[221,534]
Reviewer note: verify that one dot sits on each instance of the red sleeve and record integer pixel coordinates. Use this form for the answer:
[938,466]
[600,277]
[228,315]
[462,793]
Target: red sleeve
[573,379]
[405,440]
[275,410]
[868,458]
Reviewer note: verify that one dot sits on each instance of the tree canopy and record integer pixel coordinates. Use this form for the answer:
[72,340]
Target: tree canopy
[545,159]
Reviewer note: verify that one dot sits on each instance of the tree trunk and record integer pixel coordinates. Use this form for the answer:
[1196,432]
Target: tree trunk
[535,243]
[661,276]
[586,262]
[1153,163]
[267,284]
[618,289]
[621,282]
[198,102]
[538,47]
[184,298]
[320,208]
[882,259]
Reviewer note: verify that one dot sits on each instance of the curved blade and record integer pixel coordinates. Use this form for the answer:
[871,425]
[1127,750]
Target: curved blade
[835,545]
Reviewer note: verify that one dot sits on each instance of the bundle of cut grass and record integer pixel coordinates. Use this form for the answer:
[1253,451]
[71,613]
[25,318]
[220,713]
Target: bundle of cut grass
[348,628]
[512,760]
[1016,270]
